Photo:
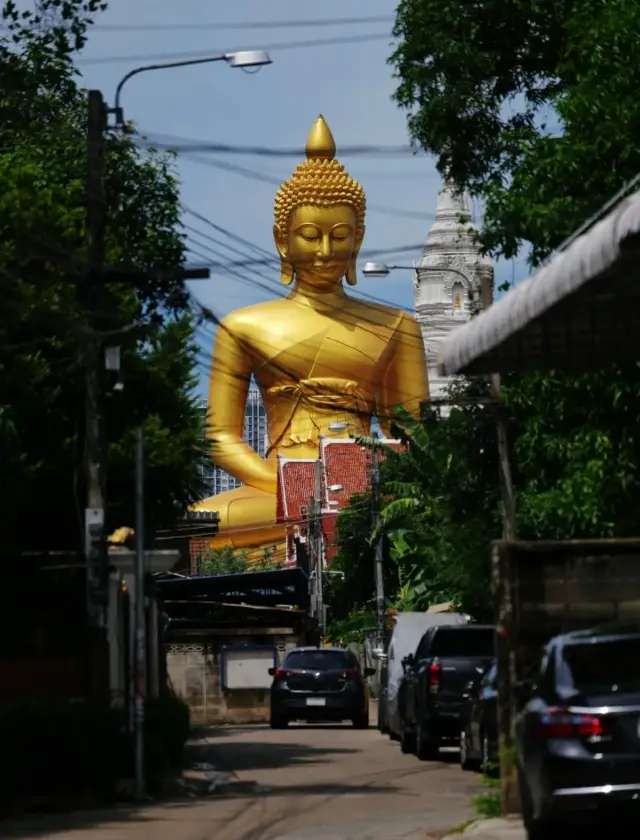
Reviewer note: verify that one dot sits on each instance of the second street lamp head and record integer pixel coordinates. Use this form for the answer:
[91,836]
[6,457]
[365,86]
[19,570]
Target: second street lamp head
[248,58]
[375,269]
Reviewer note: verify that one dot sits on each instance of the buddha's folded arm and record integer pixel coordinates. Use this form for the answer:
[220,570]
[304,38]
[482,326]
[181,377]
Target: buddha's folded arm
[405,380]
[228,389]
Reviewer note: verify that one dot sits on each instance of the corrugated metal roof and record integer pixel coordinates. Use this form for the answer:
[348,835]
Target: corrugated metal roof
[579,310]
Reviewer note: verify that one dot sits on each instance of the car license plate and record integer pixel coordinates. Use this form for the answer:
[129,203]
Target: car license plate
[316,701]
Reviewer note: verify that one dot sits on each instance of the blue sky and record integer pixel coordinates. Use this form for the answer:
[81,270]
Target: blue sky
[350,84]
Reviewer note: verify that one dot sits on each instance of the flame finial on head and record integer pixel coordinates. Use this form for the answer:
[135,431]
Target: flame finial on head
[320,142]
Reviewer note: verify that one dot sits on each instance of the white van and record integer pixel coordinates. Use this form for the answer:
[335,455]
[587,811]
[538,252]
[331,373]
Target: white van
[407,631]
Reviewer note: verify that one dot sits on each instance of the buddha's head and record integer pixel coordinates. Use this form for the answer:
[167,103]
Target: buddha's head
[319,217]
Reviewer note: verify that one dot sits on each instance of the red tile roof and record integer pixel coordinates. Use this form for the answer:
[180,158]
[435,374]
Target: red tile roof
[344,463]
[349,465]
[296,485]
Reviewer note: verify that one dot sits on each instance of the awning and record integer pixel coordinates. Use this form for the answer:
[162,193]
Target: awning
[579,311]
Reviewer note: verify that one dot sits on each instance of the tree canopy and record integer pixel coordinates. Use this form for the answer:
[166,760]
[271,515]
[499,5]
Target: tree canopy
[43,258]
[530,105]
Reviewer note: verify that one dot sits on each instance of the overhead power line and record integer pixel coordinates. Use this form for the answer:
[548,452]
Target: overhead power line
[287,45]
[148,141]
[275,180]
[223,26]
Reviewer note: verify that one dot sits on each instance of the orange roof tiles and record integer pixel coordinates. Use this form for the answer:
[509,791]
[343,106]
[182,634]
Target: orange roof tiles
[296,486]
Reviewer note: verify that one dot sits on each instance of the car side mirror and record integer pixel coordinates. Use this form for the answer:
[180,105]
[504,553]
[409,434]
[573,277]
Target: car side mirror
[369,672]
[524,690]
[272,672]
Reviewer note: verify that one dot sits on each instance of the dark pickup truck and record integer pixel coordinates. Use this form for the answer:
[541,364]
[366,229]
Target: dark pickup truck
[434,684]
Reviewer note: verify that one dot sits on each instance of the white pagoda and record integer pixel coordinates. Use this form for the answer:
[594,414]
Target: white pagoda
[452,278]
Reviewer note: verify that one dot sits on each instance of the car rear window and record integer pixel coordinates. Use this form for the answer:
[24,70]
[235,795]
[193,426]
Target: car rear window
[606,665]
[463,641]
[319,660]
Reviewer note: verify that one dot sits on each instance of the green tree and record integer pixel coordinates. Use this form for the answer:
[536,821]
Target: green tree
[224,561]
[532,106]
[42,329]
[350,586]
[440,510]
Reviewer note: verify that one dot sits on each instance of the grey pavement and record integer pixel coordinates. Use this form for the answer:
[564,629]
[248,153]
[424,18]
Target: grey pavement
[301,783]
[509,828]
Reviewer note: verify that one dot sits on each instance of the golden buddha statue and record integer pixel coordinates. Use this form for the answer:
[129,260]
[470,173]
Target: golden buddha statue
[318,356]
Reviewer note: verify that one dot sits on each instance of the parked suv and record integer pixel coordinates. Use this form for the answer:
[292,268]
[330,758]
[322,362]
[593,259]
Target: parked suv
[479,723]
[578,734]
[319,684]
[435,682]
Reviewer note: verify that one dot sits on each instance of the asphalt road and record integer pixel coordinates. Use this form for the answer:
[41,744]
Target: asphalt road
[301,783]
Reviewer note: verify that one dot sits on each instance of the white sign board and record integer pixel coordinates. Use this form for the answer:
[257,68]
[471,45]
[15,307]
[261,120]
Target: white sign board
[248,668]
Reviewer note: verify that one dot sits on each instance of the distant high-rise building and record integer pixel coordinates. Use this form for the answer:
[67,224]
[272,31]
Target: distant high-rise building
[255,434]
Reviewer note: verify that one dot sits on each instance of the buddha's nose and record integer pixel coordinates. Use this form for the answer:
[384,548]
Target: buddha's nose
[325,251]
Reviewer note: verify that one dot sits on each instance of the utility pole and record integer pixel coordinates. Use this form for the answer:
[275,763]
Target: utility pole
[379,547]
[92,301]
[140,621]
[317,553]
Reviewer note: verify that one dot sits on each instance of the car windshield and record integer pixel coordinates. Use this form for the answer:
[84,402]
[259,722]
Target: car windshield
[319,660]
[602,665]
[463,641]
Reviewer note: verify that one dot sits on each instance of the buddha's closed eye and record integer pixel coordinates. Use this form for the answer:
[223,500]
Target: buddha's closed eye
[309,232]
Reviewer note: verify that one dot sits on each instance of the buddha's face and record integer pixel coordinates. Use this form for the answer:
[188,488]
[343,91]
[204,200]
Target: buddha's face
[319,244]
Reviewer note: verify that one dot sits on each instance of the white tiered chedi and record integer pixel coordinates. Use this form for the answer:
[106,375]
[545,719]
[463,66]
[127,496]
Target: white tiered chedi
[444,299]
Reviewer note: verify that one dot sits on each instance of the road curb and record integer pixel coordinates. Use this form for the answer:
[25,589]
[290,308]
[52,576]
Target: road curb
[498,828]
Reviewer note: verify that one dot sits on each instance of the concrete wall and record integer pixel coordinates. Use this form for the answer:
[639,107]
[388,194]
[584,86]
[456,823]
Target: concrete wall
[193,667]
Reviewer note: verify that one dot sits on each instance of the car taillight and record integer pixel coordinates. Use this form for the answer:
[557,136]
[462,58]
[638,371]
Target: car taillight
[281,673]
[350,674]
[434,678]
[563,723]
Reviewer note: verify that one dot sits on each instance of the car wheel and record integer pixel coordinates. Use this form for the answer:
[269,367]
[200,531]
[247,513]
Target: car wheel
[382,726]
[361,721]
[277,721]
[536,829]
[427,744]
[466,762]
[407,740]
[487,766]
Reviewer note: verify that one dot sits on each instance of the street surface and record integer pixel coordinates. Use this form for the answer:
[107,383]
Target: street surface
[301,783]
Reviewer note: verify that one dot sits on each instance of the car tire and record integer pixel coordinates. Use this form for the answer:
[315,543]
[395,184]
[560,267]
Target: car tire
[382,726]
[486,765]
[277,721]
[427,743]
[537,829]
[407,740]
[361,721]
[466,762]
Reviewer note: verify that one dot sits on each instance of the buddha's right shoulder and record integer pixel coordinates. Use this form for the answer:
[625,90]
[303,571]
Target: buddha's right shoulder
[247,319]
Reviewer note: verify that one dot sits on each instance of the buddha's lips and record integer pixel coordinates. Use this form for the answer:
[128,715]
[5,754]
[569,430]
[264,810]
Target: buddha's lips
[325,266]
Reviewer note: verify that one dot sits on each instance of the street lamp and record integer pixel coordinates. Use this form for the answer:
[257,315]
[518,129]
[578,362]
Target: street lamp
[244,59]
[379,269]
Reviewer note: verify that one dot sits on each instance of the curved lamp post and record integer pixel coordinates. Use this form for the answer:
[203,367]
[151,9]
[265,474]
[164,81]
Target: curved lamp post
[244,59]
[379,269]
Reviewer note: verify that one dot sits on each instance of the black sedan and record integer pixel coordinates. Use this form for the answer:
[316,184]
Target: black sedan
[479,732]
[578,735]
[319,685]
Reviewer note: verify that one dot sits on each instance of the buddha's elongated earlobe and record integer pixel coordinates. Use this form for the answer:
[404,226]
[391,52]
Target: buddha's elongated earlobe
[352,275]
[286,273]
